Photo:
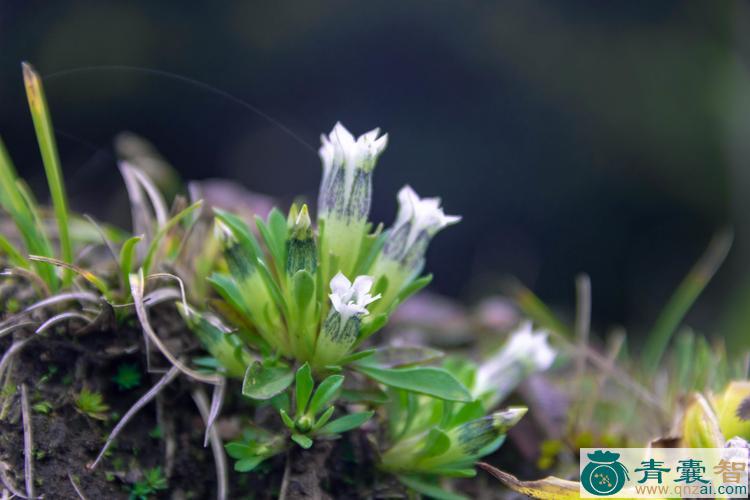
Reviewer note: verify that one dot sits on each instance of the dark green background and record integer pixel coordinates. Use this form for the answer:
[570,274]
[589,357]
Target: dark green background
[606,137]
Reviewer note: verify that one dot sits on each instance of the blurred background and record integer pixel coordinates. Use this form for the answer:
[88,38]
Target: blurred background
[606,138]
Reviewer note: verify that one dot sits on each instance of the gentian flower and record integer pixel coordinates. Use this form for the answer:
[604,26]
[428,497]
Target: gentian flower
[402,258]
[346,191]
[341,328]
[526,352]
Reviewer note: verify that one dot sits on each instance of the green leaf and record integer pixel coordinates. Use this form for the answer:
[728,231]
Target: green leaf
[455,472]
[272,285]
[402,356]
[370,325]
[286,419]
[411,289]
[14,255]
[471,411]
[370,395]
[274,238]
[263,382]
[683,298]
[347,423]
[230,292]
[22,211]
[51,159]
[239,450]
[325,392]
[429,489]
[357,356]
[437,443]
[302,440]
[423,380]
[248,464]
[304,288]
[324,418]
[241,232]
[126,260]
[303,387]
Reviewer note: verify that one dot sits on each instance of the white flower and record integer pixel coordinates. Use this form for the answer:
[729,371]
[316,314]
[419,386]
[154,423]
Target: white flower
[526,352]
[351,299]
[340,148]
[418,220]
[347,169]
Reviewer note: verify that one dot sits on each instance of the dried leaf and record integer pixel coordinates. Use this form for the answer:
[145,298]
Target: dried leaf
[549,487]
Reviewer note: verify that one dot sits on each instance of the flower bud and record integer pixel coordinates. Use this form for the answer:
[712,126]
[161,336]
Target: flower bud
[218,339]
[346,190]
[341,328]
[255,295]
[733,410]
[471,437]
[468,442]
[301,250]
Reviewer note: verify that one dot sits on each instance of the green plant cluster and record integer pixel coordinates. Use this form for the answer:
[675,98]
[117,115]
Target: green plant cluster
[292,310]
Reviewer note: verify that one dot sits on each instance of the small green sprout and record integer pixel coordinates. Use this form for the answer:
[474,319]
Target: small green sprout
[255,446]
[128,377]
[51,372]
[92,404]
[313,413]
[42,407]
[153,481]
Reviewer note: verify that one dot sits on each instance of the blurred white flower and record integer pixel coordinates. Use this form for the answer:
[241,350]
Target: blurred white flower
[526,352]
[351,299]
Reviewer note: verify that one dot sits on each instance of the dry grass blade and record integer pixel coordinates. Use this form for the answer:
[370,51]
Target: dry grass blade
[8,329]
[142,219]
[549,487]
[220,459]
[105,240]
[154,196]
[28,442]
[87,275]
[174,277]
[76,487]
[151,394]
[59,319]
[63,297]
[14,349]
[8,481]
[217,400]
[136,289]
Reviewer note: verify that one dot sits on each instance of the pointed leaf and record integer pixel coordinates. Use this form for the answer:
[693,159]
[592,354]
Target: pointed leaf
[248,464]
[303,387]
[347,423]
[302,440]
[437,443]
[325,392]
[423,380]
[263,382]
[304,288]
